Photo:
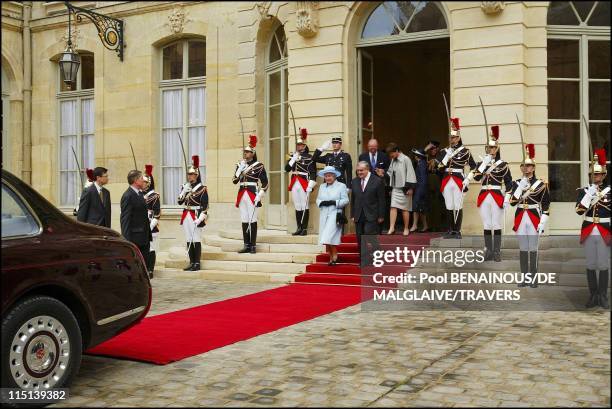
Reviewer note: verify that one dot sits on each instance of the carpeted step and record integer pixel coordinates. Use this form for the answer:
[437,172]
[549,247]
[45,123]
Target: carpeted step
[348,248]
[340,279]
[342,258]
[337,269]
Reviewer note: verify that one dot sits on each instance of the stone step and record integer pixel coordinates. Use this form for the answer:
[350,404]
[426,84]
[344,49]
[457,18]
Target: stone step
[271,236]
[508,241]
[180,253]
[230,245]
[255,266]
[266,257]
[225,275]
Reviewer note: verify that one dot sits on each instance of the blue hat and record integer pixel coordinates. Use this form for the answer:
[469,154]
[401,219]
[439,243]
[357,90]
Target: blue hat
[328,169]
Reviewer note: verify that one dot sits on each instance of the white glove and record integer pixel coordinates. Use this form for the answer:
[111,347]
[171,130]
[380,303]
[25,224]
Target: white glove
[469,179]
[259,196]
[485,162]
[203,216]
[326,145]
[153,223]
[592,191]
[449,153]
[587,198]
[241,167]
[311,185]
[506,201]
[186,189]
[521,186]
[542,224]
[294,158]
[348,190]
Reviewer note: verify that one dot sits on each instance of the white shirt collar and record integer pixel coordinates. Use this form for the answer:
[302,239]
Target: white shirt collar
[135,190]
[98,187]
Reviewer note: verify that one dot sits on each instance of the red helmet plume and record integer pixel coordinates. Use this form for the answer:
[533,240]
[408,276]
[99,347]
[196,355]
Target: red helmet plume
[601,156]
[90,175]
[195,159]
[303,133]
[252,140]
[455,123]
[530,147]
[495,132]
[149,170]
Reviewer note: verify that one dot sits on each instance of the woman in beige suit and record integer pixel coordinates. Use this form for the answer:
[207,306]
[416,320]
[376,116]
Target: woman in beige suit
[402,179]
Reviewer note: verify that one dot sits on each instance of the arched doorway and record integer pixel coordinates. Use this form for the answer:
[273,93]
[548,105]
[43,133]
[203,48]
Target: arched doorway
[403,64]
[404,67]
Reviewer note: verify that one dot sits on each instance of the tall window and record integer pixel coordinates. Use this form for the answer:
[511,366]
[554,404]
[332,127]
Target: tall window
[76,131]
[402,18]
[578,85]
[277,115]
[5,121]
[183,102]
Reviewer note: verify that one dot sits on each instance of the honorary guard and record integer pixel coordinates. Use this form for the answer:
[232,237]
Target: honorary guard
[194,199]
[594,203]
[152,199]
[451,163]
[493,171]
[249,175]
[338,159]
[531,197]
[303,180]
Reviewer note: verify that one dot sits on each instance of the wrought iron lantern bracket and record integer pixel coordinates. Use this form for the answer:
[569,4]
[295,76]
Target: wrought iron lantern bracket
[110,30]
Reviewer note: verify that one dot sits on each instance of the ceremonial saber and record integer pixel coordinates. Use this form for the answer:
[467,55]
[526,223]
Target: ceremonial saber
[242,129]
[486,123]
[133,156]
[586,125]
[448,120]
[80,176]
[183,149]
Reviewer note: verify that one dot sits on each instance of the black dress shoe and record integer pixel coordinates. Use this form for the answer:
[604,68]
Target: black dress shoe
[593,301]
[497,256]
[195,267]
[252,250]
[304,232]
[457,235]
[603,301]
[297,232]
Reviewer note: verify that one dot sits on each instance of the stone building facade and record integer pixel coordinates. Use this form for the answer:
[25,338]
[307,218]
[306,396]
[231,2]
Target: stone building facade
[190,69]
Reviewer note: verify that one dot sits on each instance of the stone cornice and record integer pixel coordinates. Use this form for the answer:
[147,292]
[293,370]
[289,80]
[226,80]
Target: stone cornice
[12,24]
[116,10]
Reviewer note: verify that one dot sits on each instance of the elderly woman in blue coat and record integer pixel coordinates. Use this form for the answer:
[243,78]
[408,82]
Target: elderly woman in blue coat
[331,199]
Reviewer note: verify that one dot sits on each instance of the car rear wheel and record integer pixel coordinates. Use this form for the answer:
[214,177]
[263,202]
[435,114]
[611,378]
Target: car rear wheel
[41,345]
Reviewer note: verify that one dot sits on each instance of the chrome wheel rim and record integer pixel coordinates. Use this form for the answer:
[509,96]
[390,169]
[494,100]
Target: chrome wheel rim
[40,353]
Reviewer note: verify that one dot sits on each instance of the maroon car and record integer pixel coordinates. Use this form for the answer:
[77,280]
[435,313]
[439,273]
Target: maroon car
[66,287]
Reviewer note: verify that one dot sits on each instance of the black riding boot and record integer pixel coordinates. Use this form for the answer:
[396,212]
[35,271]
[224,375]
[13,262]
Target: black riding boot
[458,224]
[197,253]
[592,282]
[253,241]
[305,223]
[451,224]
[190,252]
[151,262]
[245,238]
[524,261]
[497,238]
[488,239]
[603,289]
[533,267]
[298,218]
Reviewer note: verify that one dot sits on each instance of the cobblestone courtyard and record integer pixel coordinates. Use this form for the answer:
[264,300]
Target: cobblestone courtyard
[354,358]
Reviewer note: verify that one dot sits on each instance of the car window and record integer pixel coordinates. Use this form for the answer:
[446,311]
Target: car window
[16,219]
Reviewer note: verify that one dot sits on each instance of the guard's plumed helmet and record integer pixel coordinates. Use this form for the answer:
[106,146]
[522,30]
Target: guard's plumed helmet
[148,176]
[195,164]
[303,136]
[252,143]
[599,162]
[90,175]
[529,155]
[455,127]
[493,136]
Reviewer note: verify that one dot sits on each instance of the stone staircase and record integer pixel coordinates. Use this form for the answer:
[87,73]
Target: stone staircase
[279,258]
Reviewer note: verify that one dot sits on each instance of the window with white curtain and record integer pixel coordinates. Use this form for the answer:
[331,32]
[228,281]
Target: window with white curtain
[183,111]
[76,132]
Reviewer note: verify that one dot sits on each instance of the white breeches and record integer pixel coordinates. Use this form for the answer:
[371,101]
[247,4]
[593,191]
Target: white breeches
[597,253]
[192,233]
[248,211]
[491,214]
[453,196]
[155,242]
[527,234]
[299,197]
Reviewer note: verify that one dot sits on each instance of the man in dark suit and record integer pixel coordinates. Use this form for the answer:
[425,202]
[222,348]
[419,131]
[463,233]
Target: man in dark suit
[367,202]
[134,214]
[379,164]
[95,203]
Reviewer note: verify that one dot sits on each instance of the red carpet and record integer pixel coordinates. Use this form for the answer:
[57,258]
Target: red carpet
[177,335]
